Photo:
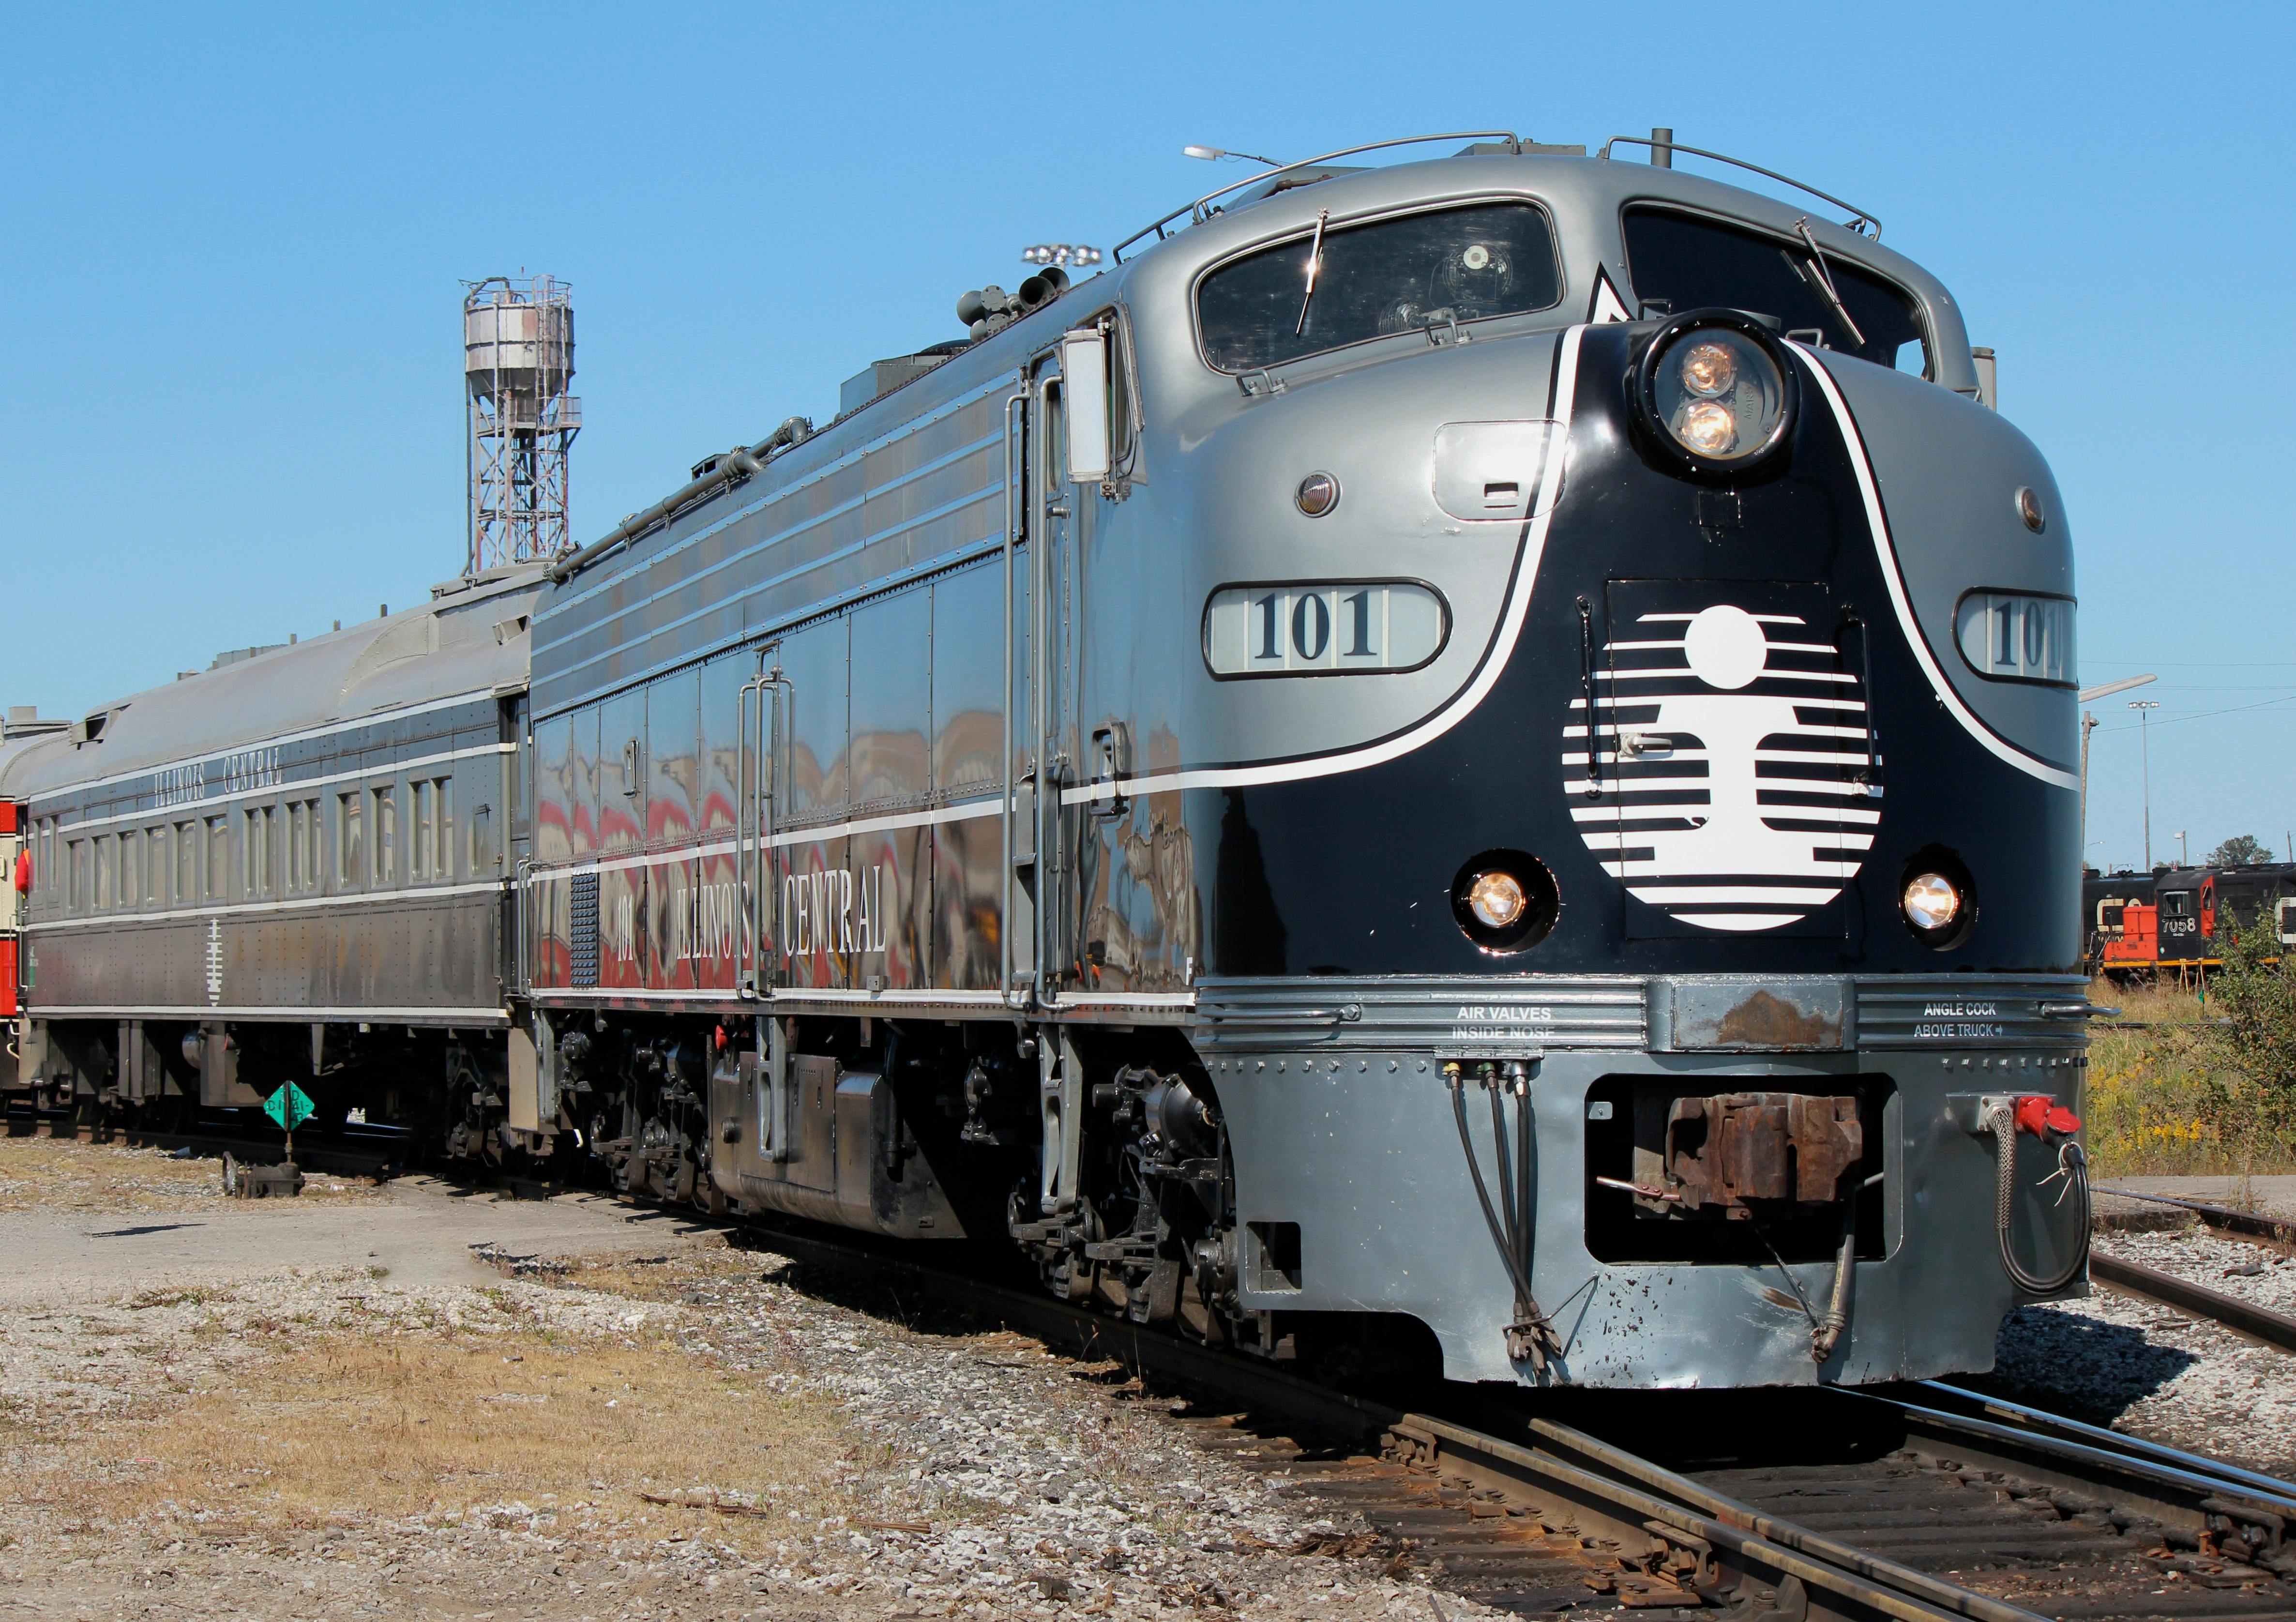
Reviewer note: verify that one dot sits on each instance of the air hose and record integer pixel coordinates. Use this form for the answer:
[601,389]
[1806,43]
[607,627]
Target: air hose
[2004,1120]
[1530,1338]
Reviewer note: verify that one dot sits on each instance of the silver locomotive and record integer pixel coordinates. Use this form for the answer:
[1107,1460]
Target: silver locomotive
[1472,757]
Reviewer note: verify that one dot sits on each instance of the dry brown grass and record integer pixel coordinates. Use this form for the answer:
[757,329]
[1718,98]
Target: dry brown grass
[61,1174]
[346,1429]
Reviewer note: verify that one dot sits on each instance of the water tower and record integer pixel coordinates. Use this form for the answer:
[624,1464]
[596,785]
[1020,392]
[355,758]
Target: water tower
[518,363]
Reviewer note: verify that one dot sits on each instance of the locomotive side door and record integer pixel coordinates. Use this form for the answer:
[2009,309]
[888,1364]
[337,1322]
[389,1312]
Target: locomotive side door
[1067,458]
[755,779]
[763,1109]
[1057,622]
[1039,590]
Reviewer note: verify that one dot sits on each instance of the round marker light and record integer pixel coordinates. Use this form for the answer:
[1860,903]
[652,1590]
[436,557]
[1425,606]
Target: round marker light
[1931,902]
[1317,494]
[1497,900]
[1716,390]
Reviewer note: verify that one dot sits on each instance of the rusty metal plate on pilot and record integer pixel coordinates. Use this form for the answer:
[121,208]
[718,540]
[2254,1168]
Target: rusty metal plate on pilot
[1769,1014]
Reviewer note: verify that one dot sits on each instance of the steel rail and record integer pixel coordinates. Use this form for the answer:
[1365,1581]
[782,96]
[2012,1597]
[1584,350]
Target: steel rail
[2261,1323]
[2099,1456]
[1745,1517]
[2253,1224]
[354,1156]
[1866,1585]
[2074,1431]
[1584,1473]
[1879,1585]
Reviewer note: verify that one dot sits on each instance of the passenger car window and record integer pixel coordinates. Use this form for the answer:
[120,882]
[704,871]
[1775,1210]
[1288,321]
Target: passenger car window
[350,848]
[1687,262]
[1392,275]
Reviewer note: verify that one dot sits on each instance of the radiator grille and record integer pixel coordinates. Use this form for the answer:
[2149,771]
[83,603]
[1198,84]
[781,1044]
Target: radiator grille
[582,944]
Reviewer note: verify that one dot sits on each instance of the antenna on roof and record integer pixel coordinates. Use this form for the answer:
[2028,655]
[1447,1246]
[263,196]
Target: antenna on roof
[1213,154]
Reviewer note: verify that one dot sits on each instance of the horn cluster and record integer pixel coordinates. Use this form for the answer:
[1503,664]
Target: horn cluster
[991,309]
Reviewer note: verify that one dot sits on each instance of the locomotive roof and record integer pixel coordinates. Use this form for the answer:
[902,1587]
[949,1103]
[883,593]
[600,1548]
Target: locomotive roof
[446,646]
[1584,196]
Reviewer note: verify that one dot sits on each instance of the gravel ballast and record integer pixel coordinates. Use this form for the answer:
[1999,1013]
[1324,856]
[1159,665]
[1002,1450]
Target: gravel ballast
[2158,1373]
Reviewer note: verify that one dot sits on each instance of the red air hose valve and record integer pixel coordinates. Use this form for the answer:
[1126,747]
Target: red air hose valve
[2045,1117]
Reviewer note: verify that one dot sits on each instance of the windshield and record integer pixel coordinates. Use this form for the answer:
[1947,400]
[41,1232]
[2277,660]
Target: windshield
[1686,262]
[1392,275]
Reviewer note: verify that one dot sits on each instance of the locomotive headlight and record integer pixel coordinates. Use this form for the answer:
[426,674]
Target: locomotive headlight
[1931,902]
[1497,899]
[1708,369]
[1718,389]
[1506,900]
[1708,427]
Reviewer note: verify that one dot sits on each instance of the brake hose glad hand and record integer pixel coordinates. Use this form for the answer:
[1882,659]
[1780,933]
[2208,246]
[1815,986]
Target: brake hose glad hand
[2051,1122]
[2045,1117]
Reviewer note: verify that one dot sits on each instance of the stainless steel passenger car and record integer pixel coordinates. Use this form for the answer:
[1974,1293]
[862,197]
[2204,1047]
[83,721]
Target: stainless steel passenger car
[284,865]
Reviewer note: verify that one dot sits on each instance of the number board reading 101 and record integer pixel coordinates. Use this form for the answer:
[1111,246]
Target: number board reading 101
[1323,627]
[2017,637]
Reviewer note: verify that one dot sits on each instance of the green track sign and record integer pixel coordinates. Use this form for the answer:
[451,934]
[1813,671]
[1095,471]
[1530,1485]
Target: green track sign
[290,1106]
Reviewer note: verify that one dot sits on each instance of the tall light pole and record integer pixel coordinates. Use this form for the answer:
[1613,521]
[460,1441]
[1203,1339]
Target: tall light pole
[2144,708]
[2089,695]
[2183,851]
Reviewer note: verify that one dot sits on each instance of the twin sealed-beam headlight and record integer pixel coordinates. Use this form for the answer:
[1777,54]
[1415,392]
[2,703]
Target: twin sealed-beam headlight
[1716,390]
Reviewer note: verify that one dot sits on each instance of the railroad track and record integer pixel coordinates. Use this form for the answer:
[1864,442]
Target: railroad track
[1912,1503]
[2245,1317]
[374,1151]
[2248,1224]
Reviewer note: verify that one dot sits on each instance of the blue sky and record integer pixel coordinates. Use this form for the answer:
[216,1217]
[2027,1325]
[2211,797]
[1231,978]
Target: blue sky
[230,401]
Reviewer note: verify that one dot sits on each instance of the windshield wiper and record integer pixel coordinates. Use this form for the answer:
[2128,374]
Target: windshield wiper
[1314,264]
[1825,282]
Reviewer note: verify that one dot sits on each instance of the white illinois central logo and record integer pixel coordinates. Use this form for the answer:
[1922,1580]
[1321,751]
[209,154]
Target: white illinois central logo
[1726,774]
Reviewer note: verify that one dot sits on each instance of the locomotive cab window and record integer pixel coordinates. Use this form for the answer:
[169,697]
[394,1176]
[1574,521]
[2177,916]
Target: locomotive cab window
[1404,274]
[1686,262]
